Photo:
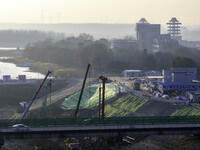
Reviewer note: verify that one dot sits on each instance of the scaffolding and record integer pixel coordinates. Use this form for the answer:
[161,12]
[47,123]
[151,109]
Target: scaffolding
[174,28]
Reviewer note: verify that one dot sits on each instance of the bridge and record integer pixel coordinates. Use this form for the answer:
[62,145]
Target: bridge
[95,127]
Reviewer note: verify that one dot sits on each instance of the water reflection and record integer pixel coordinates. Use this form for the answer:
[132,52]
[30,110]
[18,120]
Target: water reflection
[14,71]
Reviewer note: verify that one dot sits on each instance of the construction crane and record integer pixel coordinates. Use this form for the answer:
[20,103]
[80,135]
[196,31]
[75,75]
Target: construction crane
[83,85]
[70,142]
[32,100]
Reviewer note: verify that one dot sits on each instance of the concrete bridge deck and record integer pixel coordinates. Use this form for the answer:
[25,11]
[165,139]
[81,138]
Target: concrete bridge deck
[7,133]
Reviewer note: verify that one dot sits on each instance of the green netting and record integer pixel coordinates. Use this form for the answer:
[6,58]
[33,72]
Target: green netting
[90,97]
[186,111]
[124,106]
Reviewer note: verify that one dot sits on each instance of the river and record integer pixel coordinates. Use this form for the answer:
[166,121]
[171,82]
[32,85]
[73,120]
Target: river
[9,48]
[13,70]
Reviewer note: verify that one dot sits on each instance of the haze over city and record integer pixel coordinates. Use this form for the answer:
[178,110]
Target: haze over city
[99,74]
[98,11]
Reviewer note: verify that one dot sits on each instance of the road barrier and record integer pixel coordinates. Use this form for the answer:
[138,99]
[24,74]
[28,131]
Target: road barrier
[105,121]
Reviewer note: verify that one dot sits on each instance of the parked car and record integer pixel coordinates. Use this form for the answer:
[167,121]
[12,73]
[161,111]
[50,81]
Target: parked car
[146,88]
[165,96]
[183,98]
[21,127]
[154,93]
[158,95]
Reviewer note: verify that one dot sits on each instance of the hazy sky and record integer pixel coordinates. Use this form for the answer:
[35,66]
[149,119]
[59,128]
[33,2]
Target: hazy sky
[99,11]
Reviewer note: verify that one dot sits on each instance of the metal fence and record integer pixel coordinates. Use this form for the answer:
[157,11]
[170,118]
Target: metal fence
[105,121]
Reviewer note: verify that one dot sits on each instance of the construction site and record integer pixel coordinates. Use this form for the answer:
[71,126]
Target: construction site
[99,97]
[99,75]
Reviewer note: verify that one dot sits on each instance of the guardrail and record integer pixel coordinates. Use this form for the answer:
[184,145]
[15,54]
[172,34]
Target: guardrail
[105,121]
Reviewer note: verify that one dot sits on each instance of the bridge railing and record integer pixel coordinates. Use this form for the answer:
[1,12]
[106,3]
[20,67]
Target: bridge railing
[105,121]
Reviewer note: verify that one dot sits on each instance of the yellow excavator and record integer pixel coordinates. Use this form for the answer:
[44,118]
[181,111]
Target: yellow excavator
[71,144]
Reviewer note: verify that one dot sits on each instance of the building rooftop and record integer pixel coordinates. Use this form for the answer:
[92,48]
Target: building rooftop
[178,83]
[132,70]
[143,20]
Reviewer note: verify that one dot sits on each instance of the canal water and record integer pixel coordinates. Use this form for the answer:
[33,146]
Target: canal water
[13,70]
[9,48]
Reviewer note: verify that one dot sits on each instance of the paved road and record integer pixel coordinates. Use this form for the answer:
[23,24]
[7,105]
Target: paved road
[74,86]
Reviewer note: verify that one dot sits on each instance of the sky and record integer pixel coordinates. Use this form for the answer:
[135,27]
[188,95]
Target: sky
[99,11]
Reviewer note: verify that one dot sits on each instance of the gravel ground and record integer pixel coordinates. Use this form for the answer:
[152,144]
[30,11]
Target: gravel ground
[166,142]
[157,108]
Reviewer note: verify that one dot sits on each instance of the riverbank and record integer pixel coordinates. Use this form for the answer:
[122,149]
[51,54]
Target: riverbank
[43,67]
[11,70]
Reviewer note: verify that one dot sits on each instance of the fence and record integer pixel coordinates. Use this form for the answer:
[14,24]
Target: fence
[105,121]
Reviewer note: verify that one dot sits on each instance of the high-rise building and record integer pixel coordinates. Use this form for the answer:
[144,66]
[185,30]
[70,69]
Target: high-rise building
[146,34]
[149,37]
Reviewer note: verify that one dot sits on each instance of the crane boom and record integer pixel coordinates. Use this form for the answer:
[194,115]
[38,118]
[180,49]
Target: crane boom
[79,100]
[32,100]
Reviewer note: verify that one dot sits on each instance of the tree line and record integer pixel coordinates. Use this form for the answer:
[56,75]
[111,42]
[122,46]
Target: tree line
[76,52]
[19,38]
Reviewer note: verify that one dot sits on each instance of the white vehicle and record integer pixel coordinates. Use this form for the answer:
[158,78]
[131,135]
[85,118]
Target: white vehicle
[183,98]
[158,94]
[154,93]
[165,96]
[146,88]
[21,127]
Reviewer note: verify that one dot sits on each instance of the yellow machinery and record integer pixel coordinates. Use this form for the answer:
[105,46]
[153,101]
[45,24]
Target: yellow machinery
[71,144]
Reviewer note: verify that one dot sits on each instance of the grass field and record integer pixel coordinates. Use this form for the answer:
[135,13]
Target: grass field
[186,111]
[90,97]
[124,106]
[14,93]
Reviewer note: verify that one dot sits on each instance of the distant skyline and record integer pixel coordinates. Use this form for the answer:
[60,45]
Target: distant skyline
[99,11]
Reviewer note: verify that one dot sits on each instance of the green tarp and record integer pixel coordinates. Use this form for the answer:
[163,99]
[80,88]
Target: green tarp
[90,97]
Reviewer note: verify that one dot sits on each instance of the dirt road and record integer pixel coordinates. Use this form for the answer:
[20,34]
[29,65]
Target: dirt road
[52,98]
